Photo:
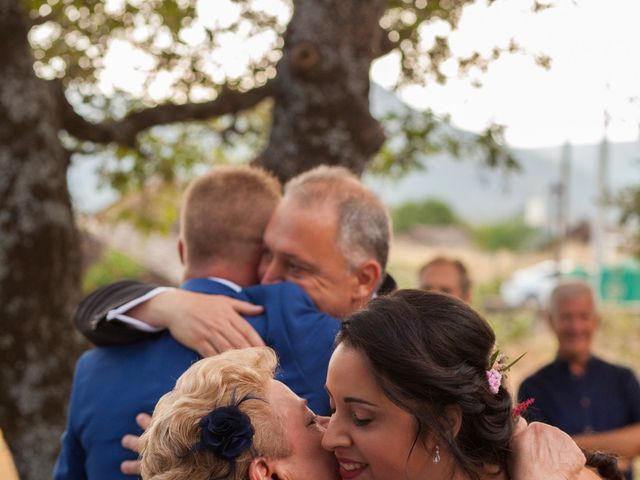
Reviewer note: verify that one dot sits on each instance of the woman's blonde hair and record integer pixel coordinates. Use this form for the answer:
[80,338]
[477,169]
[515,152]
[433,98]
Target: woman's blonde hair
[208,384]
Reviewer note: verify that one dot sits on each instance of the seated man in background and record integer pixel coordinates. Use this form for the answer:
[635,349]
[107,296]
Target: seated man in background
[578,392]
[446,275]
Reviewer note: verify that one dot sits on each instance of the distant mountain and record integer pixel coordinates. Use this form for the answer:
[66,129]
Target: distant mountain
[477,194]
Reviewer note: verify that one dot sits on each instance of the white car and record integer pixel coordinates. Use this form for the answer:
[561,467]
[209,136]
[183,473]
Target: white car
[532,286]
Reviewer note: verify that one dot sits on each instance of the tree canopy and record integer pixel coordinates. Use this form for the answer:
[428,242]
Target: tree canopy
[180,54]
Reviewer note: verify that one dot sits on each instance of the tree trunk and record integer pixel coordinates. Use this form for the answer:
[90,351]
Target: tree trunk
[39,258]
[321,105]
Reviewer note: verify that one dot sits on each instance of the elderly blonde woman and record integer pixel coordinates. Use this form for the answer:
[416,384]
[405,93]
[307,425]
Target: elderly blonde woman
[227,418]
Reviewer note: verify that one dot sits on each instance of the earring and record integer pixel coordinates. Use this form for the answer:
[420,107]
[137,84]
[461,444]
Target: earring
[436,457]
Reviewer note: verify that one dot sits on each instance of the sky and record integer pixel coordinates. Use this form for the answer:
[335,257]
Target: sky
[595,52]
[594,47]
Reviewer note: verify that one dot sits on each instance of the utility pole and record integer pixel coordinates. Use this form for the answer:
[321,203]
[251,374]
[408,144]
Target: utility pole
[562,206]
[599,227]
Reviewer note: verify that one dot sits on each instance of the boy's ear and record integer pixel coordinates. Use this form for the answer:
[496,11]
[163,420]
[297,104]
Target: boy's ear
[181,251]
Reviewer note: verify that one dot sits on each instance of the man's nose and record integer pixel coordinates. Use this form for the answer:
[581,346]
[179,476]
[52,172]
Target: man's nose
[273,274]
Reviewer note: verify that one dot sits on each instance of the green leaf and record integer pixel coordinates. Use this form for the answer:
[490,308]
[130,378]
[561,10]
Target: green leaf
[506,369]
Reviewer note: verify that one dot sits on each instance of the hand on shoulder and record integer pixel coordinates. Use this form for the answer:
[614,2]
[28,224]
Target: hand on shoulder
[541,451]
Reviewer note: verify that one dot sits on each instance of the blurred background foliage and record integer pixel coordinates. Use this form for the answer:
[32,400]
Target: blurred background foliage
[111,266]
[427,212]
[509,234]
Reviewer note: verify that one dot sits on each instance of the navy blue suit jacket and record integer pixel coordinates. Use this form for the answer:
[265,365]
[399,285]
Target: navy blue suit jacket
[113,384]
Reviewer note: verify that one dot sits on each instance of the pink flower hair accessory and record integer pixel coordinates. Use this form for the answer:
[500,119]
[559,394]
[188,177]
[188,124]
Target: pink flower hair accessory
[494,379]
[498,369]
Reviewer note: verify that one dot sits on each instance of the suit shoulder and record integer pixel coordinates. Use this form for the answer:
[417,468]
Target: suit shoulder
[295,291]
[292,293]
[87,358]
[279,287]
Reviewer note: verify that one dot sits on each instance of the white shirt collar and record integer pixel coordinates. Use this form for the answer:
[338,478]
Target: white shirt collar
[233,286]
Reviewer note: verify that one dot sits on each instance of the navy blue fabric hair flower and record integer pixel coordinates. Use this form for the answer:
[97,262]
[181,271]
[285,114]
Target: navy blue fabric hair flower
[227,432]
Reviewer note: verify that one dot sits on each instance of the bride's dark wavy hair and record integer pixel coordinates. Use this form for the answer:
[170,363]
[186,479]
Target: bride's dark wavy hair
[429,351]
[605,465]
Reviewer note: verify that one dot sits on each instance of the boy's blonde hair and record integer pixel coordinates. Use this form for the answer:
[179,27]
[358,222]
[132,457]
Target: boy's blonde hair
[225,212]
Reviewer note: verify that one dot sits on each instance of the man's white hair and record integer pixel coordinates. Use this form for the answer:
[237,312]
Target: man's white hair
[570,289]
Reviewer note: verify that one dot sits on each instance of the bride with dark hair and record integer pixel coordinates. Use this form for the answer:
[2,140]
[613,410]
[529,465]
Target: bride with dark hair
[416,394]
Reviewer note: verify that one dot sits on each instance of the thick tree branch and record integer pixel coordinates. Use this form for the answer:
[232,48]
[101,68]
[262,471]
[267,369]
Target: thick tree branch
[125,131]
[385,45]
[34,22]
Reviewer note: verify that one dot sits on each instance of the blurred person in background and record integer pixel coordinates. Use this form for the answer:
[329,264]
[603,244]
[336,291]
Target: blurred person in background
[579,392]
[446,275]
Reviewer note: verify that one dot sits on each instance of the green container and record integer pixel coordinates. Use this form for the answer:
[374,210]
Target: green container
[620,283]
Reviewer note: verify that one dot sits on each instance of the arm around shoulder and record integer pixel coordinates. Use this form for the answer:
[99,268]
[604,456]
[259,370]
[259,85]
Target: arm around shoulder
[541,451]
[90,316]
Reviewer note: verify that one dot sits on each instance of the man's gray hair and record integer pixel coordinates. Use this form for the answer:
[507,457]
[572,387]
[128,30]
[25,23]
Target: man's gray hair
[364,229]
[569,289]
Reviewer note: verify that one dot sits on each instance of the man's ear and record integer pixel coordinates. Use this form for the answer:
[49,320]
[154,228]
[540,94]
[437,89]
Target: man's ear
[262,468]
[181,251]
[367,278]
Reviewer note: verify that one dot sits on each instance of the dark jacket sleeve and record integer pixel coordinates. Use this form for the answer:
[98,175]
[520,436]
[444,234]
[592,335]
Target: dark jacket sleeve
[90,316]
